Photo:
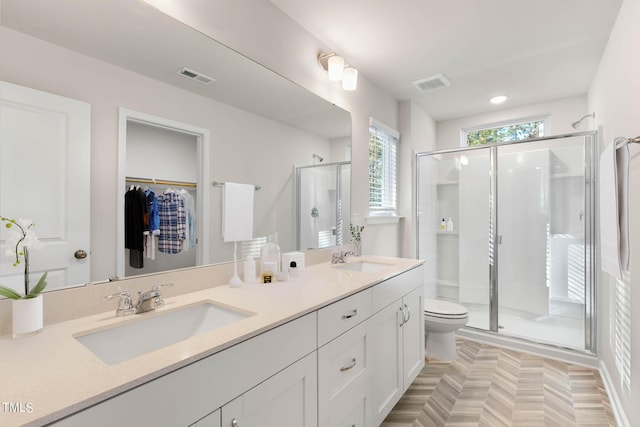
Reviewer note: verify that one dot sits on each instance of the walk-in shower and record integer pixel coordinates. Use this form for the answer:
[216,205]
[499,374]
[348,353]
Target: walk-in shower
[520,255]
[323,195]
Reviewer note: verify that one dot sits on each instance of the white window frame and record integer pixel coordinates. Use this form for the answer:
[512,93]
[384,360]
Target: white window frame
[390,184]
[544,118]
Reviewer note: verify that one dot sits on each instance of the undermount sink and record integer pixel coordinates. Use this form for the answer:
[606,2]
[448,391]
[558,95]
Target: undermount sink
[124,342]
[363,266]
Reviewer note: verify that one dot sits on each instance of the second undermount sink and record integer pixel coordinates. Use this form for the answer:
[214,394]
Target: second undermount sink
[124,342]
[363,266]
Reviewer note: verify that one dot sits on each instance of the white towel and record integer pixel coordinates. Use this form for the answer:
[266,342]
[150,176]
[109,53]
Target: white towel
[614,221]
[237,218]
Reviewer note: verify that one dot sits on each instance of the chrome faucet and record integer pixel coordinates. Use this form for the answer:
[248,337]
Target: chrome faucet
[340,257]
[125,304]
[147,301]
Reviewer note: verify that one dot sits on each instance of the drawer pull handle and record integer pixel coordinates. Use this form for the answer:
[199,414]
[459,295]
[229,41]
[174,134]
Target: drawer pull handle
[234,423]
[349,366]
[404,320]
[353,313]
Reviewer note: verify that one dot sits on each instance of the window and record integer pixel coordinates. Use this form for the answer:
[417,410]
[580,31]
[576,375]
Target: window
[383,143]
[504,132]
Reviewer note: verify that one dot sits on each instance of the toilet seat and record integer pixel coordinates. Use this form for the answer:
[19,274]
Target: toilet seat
[444,309]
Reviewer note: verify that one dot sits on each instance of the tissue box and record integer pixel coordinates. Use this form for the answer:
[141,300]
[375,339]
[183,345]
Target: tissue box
[287,257]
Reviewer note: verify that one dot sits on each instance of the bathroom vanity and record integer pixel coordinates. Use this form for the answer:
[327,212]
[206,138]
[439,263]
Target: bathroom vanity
[337,345]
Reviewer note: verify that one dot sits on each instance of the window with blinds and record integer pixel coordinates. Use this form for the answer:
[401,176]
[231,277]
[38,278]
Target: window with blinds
[383,143]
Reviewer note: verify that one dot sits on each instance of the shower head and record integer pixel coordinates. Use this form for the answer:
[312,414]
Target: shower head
[315,156]
[576,125]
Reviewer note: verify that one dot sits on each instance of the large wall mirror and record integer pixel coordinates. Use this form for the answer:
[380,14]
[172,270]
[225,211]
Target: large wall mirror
[118,63]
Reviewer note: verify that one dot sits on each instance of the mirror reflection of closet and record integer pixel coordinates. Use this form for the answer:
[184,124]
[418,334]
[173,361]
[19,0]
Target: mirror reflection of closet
[163,157]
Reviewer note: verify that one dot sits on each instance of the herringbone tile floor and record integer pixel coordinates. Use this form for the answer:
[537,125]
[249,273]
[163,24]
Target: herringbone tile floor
[490,386]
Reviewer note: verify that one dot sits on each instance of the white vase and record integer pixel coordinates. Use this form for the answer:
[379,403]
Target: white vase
[27,315]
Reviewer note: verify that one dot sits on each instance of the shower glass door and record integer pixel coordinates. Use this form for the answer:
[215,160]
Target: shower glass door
[519,255]
[541,241]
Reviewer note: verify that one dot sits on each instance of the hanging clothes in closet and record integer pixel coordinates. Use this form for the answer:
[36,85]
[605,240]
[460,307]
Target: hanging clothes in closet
[173,222]
[135,225]
[154,225]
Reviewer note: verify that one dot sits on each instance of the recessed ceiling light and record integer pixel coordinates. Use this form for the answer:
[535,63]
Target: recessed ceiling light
[498,99]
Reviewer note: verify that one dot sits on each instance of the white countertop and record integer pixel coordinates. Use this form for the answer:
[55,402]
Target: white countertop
[51,375]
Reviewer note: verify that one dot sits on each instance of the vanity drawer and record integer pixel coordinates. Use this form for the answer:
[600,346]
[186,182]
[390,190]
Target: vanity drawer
[396,287]
[343,315]
[342,373]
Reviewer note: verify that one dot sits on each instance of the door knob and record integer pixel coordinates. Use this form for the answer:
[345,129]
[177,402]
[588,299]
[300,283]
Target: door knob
[80,254]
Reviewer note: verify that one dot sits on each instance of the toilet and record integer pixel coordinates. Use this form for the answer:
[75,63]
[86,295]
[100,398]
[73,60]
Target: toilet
[441,320]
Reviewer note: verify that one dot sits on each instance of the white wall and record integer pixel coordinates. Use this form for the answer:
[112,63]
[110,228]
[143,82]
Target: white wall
[417,134]
[561,112]
[274,147]
[615,97]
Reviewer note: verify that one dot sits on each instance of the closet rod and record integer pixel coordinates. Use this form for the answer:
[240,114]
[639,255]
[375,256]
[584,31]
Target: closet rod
[221,184]
[161,182]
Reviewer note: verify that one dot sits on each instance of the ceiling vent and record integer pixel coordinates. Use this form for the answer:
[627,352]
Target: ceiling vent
[429,84]
[194,75]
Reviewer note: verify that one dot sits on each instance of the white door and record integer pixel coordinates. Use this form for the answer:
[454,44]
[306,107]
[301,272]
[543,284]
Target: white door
[45,177]
[288,399]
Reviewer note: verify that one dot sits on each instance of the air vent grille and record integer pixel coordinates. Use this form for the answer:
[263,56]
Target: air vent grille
[435,82]
[194,75]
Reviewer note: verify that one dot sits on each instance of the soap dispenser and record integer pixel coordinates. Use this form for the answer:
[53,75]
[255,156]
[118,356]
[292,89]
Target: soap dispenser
[270,258]
[449,224]
[443,225]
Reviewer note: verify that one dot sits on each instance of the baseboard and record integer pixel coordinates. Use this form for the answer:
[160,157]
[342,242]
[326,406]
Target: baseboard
[564,355]
[616,406]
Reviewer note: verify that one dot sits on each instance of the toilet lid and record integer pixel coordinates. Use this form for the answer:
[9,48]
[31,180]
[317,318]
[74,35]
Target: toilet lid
[443,308]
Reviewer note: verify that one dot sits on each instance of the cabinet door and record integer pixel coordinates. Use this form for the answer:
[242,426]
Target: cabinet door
[413,336]
[288,399]
[385,352]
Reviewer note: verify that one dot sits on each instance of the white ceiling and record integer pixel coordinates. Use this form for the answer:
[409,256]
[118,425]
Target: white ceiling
[532,51]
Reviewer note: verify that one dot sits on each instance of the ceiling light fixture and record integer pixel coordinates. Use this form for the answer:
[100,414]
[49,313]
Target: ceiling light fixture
[498,99]
[339,70]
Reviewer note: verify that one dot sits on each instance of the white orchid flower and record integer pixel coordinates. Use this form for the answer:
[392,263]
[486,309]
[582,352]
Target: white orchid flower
[20,236]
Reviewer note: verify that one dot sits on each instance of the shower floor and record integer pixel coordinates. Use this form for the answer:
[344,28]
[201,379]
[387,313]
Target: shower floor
[561,327]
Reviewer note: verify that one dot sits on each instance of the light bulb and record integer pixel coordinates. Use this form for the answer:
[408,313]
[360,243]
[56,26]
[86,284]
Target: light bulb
[350,79]
[335,68]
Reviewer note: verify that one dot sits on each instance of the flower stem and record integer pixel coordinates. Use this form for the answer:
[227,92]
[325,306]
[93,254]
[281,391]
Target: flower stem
[26,270]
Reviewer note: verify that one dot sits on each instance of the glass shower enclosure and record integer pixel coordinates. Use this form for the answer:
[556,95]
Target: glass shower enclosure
[520,253]
[323,205]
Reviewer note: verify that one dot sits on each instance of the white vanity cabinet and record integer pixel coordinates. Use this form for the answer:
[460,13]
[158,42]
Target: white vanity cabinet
[344,365]
[343,372]
[396,339]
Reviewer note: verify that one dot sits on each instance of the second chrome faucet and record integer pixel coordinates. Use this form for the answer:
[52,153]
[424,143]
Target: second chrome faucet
[147,301]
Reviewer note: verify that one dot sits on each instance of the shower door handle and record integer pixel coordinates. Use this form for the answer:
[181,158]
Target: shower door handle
[500,239]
